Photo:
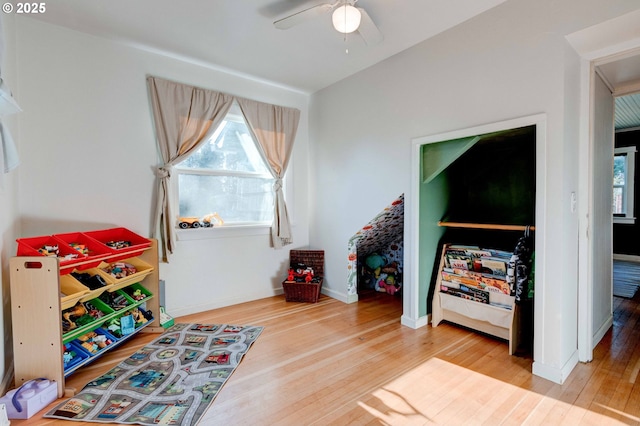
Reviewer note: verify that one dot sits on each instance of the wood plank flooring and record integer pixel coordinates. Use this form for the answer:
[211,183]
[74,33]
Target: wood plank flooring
[336,364]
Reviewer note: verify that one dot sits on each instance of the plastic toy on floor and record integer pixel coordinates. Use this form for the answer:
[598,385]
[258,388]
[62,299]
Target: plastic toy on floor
[31,397]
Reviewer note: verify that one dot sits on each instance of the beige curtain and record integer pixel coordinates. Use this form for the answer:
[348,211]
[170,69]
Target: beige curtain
[184,117]
[274,128]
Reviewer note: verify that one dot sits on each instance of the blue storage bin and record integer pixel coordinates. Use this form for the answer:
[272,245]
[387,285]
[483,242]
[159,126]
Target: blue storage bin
[78,354]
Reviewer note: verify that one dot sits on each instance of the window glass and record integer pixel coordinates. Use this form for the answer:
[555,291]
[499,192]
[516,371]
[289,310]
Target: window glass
[227,175]
[619,177]
[623,184]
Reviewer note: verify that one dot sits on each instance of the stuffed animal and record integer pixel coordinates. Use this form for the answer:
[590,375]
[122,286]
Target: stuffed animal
[375,262]
[389,285]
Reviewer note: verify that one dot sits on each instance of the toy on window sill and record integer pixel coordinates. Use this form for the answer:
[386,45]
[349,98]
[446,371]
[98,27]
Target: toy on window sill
[212,219]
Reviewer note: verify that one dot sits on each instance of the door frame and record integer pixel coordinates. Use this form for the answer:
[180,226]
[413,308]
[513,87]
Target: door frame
[603,43]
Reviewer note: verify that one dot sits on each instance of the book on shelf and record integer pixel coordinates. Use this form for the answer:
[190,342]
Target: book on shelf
[488,282]
[494,265]
[466,292]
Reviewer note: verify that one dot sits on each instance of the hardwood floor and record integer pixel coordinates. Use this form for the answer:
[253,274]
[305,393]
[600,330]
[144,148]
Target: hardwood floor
[336,364]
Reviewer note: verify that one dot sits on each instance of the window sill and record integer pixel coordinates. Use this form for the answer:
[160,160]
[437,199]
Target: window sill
[625,220]
[223,231]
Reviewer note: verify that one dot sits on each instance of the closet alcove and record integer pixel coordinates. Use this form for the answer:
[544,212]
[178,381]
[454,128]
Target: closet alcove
[376,254]
[486,186]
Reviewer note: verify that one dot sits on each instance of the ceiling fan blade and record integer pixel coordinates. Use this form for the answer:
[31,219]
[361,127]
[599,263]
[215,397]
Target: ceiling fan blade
[299,17]
[368,30]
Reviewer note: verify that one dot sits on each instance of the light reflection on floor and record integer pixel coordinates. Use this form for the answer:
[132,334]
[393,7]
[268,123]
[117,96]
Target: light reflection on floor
[442,393]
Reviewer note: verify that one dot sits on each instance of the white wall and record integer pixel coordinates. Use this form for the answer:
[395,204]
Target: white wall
[89,150]
[512,61]
[9,218]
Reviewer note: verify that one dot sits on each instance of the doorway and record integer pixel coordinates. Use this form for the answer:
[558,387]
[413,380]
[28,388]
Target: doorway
[611,53]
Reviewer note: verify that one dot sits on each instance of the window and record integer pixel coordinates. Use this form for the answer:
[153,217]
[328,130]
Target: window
[227,175]
[623,180]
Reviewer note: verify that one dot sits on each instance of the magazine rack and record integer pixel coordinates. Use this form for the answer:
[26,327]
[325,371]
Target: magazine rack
[489,319]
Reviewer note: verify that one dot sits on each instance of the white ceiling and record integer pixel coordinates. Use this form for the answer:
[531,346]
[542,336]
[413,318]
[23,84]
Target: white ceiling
[239,36]
[622,76]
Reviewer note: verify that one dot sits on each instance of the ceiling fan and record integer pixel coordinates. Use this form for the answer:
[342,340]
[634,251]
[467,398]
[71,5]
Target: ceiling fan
[346,19]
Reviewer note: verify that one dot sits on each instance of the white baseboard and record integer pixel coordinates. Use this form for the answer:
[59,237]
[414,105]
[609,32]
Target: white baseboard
[599,334]
[626,257]
[343,297]
[555,374]
[415,323]
[219,303]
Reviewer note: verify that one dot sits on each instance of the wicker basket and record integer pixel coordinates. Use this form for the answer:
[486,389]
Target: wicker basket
[305,292]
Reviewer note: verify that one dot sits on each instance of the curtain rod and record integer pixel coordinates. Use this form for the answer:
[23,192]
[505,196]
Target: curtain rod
[486,226]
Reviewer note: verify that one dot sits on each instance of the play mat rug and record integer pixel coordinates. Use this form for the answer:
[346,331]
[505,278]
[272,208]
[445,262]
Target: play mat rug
[171,381]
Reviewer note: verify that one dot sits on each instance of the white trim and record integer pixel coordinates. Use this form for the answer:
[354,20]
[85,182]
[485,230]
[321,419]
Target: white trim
[341,296]
[585,207]
[223,231]
[624,220]
[602,43]
[630,166]
[599,334]
[626,257]
[352,298]
[411,288]
[415,323]
[411,299]
[221,303]
[555,374]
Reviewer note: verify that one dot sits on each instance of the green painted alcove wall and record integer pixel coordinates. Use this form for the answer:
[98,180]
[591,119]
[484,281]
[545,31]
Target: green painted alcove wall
[486,178]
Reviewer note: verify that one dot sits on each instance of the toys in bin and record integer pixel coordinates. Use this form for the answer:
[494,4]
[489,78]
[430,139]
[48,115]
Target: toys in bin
[53,250]
[115,300]
[94,282]
[118,244]
[78,315]
[71,355]
[95,341]
[301,273]
[120,269]
[127,323]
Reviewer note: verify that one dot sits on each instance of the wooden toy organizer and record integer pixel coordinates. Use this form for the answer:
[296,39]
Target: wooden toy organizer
[36,315]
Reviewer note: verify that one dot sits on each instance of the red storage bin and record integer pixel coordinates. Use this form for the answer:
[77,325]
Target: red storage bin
[94,251]
[35,246]
[122,242]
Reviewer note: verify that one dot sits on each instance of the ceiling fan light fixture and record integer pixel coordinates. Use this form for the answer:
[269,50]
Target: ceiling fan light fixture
[346,19]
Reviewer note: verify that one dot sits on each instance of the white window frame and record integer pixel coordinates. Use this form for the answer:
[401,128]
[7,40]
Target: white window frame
[228,229]
[630,153]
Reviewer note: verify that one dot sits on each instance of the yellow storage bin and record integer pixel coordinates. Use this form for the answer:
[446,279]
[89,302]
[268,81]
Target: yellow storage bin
[71,291]
[124,273]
